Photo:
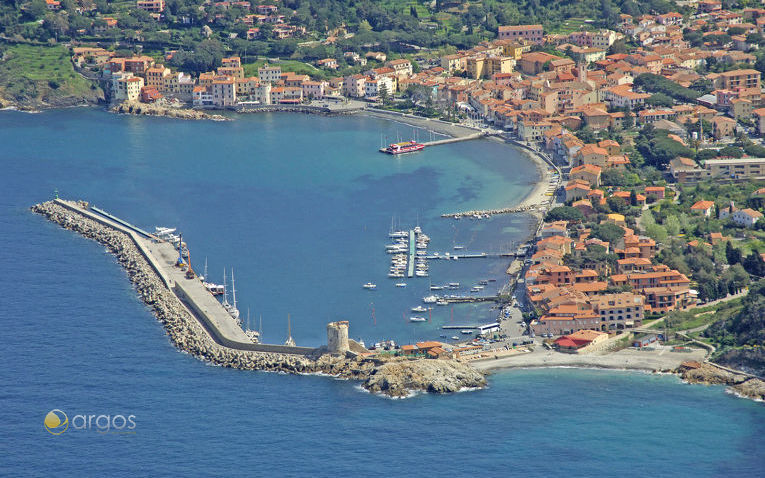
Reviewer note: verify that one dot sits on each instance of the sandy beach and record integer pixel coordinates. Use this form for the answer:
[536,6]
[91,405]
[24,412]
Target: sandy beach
[659,360]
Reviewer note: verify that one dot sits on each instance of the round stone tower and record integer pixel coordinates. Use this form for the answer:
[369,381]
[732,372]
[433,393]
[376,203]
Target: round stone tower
[337,337]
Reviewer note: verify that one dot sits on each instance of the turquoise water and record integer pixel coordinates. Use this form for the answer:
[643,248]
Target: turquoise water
[301,207]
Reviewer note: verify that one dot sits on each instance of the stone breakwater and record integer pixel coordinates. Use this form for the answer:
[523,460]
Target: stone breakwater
[740,383]
[491,212]
[395,377]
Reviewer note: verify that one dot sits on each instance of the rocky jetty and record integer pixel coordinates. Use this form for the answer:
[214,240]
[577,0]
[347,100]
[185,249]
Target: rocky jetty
[157,109]
[706,373]
[396,377]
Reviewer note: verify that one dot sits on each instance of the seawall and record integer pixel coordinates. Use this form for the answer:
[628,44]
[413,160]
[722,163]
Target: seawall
[191,334]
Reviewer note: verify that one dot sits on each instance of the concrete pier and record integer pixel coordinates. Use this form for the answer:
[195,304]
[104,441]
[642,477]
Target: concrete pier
[455,140]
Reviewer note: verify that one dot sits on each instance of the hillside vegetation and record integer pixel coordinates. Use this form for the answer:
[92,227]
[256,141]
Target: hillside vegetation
[37,76]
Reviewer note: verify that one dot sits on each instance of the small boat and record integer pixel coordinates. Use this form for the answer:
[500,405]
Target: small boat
[454,337]
[401,284]
[475,289]
[419,308]
[431,299]
[442,302]
[458,248]
[418,319]
[483,282]
[436,287]
[369,285]
[454,285]
[442,336]
[466,332]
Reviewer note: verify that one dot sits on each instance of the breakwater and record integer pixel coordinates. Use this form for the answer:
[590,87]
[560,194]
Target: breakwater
[491,212]
[191,335]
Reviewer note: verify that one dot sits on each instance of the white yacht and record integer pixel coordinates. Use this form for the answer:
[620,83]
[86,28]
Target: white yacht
[369,285]
[431,299]
[418,319]
[419,308]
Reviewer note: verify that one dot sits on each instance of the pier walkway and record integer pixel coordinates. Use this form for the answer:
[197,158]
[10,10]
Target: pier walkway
[410,270]
[455,140]
[162,256]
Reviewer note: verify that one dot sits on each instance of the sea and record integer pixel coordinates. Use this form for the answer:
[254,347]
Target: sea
[299,207]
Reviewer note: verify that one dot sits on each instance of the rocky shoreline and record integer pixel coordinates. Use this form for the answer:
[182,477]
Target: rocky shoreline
[394,377]
[739,383]
[153,109]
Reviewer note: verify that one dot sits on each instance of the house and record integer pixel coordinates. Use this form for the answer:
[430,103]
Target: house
[530,33]
[589,173]
[579,340]
[746,217]
[576,189]
[723,127]
[685,170]
[330,63]
[734,79]
[703,207]
[402,67]
[591,154]
[152,6]
[655,193]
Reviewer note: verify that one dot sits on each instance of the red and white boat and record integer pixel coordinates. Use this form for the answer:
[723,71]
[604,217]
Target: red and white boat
[405,147]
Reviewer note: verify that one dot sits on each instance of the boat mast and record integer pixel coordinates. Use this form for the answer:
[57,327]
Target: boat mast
[205,277]
[225,289]
[233,288]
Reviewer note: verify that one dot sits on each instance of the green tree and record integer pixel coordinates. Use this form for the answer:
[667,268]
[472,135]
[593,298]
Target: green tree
[565,213]
[672,225]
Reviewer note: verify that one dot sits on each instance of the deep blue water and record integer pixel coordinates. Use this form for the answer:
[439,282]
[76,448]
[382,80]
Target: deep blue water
[301,207]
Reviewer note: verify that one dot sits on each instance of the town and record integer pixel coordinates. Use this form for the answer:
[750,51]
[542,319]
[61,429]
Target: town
[654,124]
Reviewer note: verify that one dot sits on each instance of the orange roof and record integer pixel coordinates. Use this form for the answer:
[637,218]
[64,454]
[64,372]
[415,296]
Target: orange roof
[702,205]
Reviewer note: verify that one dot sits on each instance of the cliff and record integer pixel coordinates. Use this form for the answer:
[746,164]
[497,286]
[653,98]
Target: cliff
[394,376]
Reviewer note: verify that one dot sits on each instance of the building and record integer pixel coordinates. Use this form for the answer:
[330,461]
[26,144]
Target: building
[270,74]
[402,67]
[580,340]
[703,207]
[355,86]
[730,80]
[224,91]
[746,217]
[622,96]
[530,33]
[152,6]
[686,170]
[127,88]
[619,311]
[736,168]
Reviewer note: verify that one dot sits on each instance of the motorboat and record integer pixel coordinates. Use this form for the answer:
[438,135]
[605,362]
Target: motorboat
[401,284]
[442,302]
[369,285]
[466,332]
[419,308]
[454,285]
[431,299]
[417,319]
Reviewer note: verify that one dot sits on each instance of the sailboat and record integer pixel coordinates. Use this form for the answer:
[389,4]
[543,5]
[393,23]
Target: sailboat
[230,308]
[252,334]
[290,342]
[214,289]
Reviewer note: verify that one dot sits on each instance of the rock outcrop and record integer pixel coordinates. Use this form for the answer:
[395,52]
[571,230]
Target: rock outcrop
[155,109]
[401,378]
[393,376]
[709,374]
